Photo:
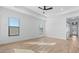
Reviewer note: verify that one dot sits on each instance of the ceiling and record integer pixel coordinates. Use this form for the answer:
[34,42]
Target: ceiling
[57,10]
[36,12]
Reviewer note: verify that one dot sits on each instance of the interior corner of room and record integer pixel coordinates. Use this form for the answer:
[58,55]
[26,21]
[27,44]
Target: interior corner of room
[33,24]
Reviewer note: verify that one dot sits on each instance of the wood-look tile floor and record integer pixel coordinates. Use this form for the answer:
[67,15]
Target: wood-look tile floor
[40,45]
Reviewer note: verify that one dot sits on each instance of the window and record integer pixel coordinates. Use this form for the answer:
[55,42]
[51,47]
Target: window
[42,26]
[13,26]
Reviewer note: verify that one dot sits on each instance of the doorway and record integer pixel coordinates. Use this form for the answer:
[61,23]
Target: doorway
[72,27]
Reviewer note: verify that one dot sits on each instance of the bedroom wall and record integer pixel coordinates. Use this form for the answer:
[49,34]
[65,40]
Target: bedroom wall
[56,25]
[29,26]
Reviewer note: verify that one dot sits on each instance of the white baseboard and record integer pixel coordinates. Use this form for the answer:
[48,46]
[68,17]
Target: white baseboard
[56,37]
[6,42]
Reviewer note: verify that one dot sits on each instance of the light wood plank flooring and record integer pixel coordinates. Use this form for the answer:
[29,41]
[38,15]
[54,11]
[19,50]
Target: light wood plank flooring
[41,45]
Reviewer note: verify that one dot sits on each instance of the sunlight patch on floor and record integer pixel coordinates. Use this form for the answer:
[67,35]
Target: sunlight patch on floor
[41,43]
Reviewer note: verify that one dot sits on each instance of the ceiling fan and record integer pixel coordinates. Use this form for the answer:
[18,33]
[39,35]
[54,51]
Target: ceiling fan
[45,8]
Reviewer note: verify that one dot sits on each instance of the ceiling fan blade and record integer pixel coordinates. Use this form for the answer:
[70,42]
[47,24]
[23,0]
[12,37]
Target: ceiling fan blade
[40,8]
[49,8]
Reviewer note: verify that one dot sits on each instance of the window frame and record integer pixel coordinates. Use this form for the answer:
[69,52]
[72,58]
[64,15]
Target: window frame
[9,27]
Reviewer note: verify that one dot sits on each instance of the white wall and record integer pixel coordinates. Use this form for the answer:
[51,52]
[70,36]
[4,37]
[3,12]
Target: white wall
[56,25]
[29,26]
